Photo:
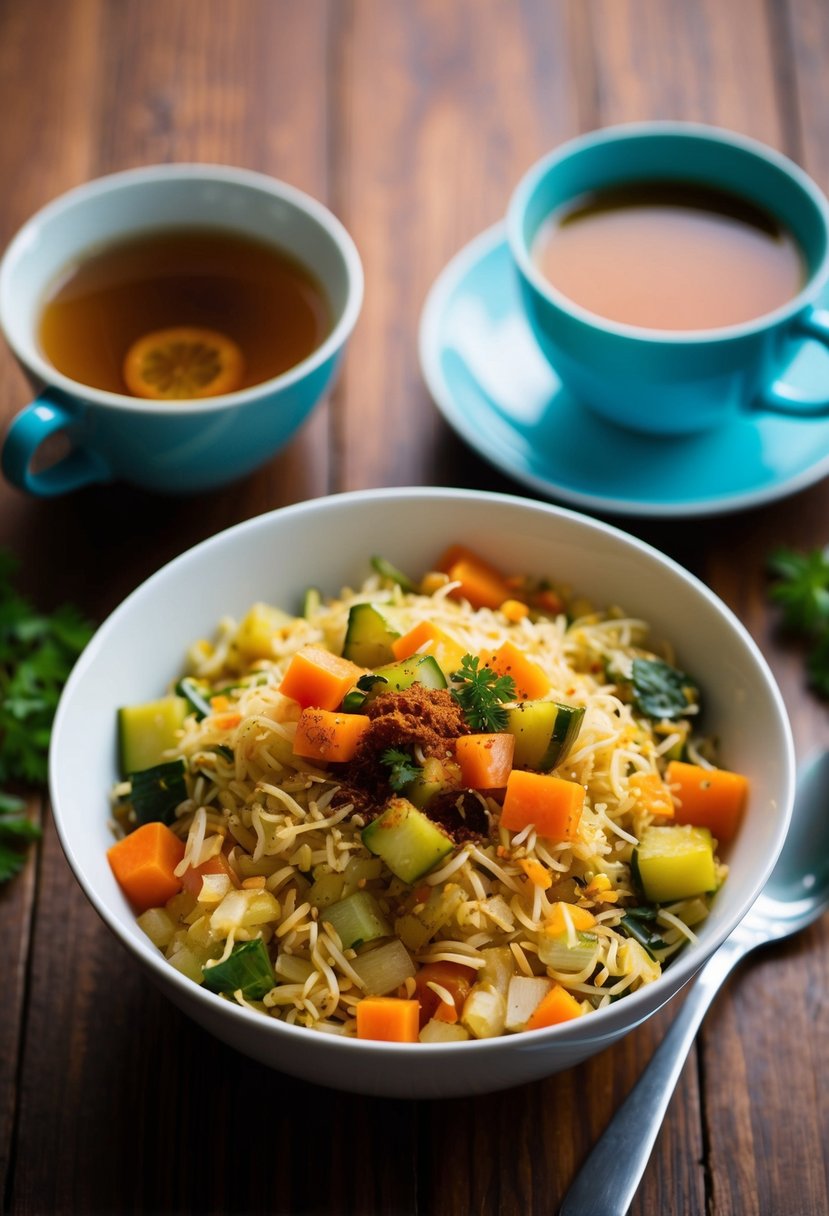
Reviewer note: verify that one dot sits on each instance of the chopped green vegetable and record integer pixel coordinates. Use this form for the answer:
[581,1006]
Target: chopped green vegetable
[675,862]
[635,926]
[357,919]
[544,732]
[407,840]
[386,570]
[248,967]
[157,791]
[147,731]
[481,692]
[311,601]
[368,636]
[354,700]
[661,691]
[417,669]
[194,696]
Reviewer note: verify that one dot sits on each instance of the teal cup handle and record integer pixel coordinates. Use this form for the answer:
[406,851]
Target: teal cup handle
[779,397]
[47,415]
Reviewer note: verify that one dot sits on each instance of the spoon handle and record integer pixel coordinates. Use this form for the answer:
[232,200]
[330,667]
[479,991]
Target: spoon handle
[609,1177]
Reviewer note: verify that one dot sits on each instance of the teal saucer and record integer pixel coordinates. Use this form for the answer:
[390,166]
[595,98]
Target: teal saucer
[495,388]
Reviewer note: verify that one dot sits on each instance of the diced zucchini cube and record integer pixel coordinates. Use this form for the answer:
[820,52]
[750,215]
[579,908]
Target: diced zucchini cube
[147,731]
[675,862]
[407,840]
[368,636]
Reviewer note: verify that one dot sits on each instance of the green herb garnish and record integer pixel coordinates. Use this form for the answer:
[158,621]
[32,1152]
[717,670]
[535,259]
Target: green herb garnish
[402,768]
[481,693]
[37,652]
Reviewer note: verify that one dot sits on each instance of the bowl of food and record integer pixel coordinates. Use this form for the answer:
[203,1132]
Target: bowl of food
[421,792]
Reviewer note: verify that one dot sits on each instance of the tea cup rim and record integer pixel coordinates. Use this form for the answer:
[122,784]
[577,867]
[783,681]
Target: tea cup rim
[45,372]
[527,184]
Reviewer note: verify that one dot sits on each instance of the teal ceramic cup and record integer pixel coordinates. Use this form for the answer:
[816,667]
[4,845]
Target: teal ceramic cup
[168,446]
[667,381]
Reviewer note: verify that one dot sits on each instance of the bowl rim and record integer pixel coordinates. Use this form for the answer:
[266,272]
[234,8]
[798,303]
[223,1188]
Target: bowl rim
[627,1014]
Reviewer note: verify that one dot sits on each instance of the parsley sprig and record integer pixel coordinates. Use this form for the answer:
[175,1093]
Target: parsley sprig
[801,588]
[481,694]
[37,652]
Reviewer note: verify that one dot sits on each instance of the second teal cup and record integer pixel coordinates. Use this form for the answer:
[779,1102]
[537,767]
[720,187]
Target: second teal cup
[674,382]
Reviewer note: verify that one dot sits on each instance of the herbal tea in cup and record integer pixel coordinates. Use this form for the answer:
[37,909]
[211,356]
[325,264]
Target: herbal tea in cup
[178,323]
[182,313]
[670,255]
[671,272]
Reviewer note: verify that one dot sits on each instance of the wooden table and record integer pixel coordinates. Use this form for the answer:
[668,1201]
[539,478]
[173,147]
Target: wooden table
[412,121]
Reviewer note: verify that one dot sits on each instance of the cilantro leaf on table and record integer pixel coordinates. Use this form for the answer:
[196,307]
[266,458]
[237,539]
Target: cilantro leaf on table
[801,588]
[481,693]
[16,831]
[37,652]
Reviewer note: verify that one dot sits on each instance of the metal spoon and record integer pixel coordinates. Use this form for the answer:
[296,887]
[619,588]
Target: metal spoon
[796,894]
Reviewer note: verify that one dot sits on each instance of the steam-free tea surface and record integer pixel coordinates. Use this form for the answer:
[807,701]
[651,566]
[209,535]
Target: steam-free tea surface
[668,255]
[262,300]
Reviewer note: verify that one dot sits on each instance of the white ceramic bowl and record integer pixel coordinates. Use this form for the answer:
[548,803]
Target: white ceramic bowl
[328,543]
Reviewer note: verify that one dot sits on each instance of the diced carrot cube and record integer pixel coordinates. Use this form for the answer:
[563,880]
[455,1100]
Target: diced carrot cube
[324,735]
[144,863]
[708,798]
[531,681]
[558,1005]
[485,760]
[317,677]
[481,584]
[426,638]
[552,804]
[388,1018]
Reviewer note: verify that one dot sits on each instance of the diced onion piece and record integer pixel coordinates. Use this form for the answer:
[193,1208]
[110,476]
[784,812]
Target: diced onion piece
[558,953]
[188,964]
[384,969]
[484,1012]
[498,968]
[158,926]
[525,993]
[243,910]
[214,887]
[292,968]
[441,1032]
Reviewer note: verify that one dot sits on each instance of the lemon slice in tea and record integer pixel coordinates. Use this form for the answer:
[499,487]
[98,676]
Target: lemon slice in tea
[183,363]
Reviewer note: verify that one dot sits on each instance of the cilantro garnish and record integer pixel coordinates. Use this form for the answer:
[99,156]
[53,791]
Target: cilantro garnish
[402,768]
[37,652]
[801,588]
[481,692]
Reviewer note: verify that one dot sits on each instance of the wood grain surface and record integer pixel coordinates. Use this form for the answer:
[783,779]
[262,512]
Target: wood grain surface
[412,121]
